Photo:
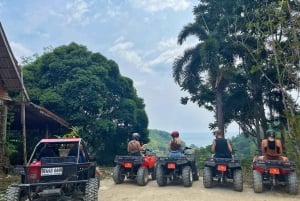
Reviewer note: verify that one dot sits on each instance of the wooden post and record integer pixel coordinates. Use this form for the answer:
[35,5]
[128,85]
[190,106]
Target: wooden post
[23,120]
[4,161]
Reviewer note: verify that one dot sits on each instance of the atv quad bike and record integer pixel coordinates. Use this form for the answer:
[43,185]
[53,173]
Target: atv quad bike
[57,173]
[135,167]
[223,170]
[274,173]
[177,169]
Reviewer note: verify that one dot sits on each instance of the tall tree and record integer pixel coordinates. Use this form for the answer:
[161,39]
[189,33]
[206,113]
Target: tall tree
[273,26]
[206,69]
[88,91]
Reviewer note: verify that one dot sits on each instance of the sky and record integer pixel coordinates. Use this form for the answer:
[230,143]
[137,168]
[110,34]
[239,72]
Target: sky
[139,35]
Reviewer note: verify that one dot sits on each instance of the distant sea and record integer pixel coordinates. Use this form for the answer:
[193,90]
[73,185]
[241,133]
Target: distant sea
[200,139]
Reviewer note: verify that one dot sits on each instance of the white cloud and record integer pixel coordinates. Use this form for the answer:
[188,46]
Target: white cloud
[158,5]
[126,50]
[169,50]
[77,11]
[166,52]
[20,50]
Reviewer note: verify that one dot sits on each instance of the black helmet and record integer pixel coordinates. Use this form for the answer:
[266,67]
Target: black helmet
[136,136]
[270,133]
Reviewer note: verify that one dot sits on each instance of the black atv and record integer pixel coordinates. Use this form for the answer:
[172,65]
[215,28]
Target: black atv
[135,167]
[175,169]
[54,173]
[275,173]
[223,170]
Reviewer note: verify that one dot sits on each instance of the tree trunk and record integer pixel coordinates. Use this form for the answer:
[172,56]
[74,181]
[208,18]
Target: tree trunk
[219,111]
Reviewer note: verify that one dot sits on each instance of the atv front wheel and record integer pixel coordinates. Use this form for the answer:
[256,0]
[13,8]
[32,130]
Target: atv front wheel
[207,177]
[12,193]
[161,179]
[238,180]
[91,190]
[142,176]
[187,176]
[292,183]
[118,175]
[257,181]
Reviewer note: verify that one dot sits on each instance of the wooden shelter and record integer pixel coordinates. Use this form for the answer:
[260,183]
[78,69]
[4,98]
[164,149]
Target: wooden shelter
[27,114]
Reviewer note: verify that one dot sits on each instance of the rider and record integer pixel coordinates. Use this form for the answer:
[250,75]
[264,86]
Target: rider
[221,146]
[175,147]
[271,148]
[134,146]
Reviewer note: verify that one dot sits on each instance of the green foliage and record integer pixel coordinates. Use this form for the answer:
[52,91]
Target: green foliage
[88,91]
[244,147]
[159,142]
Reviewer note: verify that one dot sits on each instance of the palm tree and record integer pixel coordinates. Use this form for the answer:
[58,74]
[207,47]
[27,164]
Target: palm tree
[204,70]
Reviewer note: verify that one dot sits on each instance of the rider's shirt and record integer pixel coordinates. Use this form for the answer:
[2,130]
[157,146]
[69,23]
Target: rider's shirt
[174,146]
[221,149]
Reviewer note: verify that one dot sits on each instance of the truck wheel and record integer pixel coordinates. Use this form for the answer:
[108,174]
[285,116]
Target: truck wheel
[118,175]
[12,193]
[292,183]
[91,190]
[207,177]
[161,179]
[142,176]
[187,176]
[257,181]
[238,180]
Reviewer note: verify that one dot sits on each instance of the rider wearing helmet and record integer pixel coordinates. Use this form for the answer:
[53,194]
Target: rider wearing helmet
[175,147]
[134,146]
[221,146]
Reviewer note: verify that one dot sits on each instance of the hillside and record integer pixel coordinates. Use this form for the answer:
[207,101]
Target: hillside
[159,141]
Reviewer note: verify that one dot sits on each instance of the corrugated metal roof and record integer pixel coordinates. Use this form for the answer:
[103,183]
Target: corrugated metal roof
[36,117]
[11,80]
[10,72]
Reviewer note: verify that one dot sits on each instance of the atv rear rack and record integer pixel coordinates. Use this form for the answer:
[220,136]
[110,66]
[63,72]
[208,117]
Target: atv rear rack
[179,160]
[134,159]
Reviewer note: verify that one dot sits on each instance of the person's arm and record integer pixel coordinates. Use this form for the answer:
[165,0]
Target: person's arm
[229,146]
[128,147]
[264,144]
[279,145]
[140,148]
[213,146]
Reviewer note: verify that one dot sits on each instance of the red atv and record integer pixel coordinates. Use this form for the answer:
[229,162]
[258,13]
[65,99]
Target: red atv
[57,169]
[274,173]
[135,167]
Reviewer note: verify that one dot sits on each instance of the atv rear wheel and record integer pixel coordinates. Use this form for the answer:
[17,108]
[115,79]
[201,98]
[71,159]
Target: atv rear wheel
[207,177]
[187,176]
[118,175]
[12,193]
[238,180]
[161,179]
[292,183]
[142,176]
[257,181]
[91,190]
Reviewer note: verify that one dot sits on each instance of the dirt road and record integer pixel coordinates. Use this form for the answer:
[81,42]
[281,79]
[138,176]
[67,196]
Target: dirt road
[130,191]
